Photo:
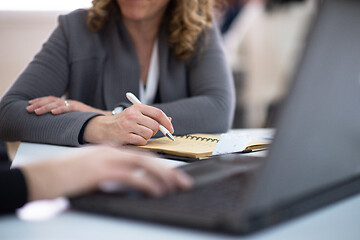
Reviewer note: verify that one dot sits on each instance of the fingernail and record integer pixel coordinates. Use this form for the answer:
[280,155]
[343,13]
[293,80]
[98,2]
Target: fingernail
[29,108]
[185,180]
[158,192]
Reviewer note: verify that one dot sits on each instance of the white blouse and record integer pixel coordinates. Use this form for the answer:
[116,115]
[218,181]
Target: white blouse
[148,93]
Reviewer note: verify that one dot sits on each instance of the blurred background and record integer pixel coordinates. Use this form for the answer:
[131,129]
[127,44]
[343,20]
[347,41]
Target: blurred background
[24,26]
[262,40]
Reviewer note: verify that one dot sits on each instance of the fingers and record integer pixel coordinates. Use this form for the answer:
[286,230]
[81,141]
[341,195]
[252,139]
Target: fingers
[162,179]
[170,177]
[136,139]
[149,123]
[39,102]
[144,121]
[86,169]
[135,125]
[48,104]
[184,180]
[141,181]
[163,175]
[153,183]
[155,114]
[54,108]
[61,110]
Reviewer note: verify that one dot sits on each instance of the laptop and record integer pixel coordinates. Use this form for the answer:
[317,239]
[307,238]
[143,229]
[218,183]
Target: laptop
[314,159]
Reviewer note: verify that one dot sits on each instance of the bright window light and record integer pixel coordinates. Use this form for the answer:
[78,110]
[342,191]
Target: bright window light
[43,5]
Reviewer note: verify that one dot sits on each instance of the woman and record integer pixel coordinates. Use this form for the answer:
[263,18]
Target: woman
[165,51]
[83,172]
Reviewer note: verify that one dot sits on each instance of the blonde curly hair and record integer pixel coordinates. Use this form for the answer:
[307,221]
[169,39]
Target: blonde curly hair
[185,19]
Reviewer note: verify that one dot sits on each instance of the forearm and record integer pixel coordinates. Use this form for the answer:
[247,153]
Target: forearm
[85,169]
[18,125]
[44,180]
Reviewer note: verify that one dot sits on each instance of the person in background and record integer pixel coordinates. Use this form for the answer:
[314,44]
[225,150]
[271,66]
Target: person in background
[168,53]
[83,171]
[231,11]
[258,52]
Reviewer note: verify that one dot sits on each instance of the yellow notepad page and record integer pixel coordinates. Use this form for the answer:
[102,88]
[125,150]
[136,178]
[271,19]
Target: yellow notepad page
[192,145]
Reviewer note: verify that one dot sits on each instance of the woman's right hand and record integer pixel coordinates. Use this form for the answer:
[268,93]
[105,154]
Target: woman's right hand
[88,168]
[135,125]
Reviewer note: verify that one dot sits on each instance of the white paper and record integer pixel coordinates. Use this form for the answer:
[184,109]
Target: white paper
[231,142]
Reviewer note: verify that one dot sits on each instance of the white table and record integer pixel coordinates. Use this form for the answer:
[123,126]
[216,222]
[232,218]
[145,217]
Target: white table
[54,220]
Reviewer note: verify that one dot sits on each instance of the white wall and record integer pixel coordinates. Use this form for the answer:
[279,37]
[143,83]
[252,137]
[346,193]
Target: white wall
[21,35]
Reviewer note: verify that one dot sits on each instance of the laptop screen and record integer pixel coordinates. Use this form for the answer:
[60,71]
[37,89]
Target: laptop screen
[318,135]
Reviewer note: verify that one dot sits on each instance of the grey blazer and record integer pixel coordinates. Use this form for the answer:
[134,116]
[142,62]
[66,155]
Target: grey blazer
[99,68]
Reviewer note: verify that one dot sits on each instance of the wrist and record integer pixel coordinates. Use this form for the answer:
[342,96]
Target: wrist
[94,131]
[39,181]
[107,113]
[82,107]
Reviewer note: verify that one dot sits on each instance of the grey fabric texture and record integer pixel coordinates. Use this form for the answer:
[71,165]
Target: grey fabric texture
[99,68]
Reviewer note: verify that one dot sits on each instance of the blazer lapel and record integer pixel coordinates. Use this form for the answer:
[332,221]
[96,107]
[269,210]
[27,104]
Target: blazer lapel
[121,71]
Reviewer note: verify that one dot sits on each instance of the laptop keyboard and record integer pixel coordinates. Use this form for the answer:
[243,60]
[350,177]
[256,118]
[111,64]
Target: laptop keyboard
[205,202]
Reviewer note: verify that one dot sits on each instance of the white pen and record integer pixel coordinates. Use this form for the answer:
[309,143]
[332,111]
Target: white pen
[133,99]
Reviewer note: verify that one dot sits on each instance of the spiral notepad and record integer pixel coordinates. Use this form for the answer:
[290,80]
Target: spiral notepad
[191,146]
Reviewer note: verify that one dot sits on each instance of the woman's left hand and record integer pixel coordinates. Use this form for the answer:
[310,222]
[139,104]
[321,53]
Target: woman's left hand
[56,106]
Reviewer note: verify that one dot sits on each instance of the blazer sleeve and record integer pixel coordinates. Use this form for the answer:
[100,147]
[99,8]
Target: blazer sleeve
[210,105]
[13,190]
[46,75]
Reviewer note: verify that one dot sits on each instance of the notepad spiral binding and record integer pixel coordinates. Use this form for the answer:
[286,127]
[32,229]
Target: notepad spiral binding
[194,137]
